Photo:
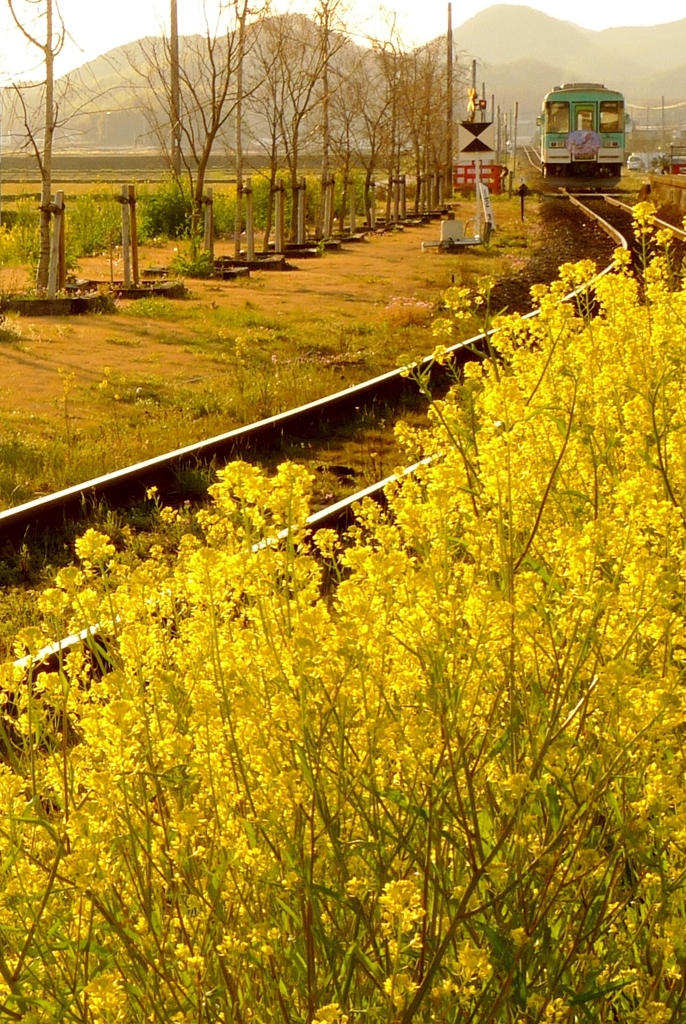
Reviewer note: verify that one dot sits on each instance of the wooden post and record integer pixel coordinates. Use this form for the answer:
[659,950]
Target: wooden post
[324,219]
[372,206]
[53,271]
[403,197]
[62,263]
[126,235]
[279,219]
[450,129]
[133,225]
[208,235]
[302,203]
[353,211]
[332,196]
[326,203]
[249,221]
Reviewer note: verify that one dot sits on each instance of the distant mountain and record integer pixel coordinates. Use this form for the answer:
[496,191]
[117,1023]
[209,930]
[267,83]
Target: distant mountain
[522,53]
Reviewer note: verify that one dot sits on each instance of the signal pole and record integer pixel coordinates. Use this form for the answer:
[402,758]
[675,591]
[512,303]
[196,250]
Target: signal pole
[175,112]
[449,111]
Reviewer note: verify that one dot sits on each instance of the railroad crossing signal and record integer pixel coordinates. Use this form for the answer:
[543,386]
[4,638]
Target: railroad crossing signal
[476,138]
[471,100]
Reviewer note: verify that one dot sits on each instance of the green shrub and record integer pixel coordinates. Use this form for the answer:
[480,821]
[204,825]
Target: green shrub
[163,210]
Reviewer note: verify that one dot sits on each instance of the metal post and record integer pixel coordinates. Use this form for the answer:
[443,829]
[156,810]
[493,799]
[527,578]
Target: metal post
[372,205]
[396,199]
[249,221]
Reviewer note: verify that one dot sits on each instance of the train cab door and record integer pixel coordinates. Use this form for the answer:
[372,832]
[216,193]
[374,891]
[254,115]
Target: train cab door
[584,117]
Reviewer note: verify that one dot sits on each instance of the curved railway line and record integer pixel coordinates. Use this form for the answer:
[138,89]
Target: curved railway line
[132,481]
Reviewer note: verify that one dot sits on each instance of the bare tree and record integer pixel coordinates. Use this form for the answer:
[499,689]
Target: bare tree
[267,99]
[391,55]
[26,14]
[422,109]
[332,32]
[209,93]
[360,119]
[296,55]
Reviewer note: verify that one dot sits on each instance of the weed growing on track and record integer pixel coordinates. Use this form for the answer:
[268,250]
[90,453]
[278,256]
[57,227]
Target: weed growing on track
[436,773]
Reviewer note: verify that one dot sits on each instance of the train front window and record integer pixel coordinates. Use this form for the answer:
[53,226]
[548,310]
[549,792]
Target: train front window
[611,115]
[584,119]
[557,117]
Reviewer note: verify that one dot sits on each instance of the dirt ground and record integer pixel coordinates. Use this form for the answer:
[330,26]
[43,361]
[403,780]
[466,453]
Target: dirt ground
[353,286]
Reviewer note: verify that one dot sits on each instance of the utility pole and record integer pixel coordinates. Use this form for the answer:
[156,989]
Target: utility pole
[325,13]
[662,127]
[175,112]
[514,143]
[238,226]
[449,111]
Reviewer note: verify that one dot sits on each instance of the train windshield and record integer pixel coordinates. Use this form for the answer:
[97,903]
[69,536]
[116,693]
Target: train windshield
[584,119]
[611,115]
[558,116]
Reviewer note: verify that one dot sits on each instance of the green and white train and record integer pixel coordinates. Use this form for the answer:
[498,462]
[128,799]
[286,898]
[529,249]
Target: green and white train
[582,135]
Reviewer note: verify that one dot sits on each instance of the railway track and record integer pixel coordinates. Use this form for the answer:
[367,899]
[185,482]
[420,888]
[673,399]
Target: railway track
[22,523]
[619,218]
[533,157]
[135,479]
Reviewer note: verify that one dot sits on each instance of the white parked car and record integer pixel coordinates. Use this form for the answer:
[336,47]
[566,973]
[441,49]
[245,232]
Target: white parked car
[634,162]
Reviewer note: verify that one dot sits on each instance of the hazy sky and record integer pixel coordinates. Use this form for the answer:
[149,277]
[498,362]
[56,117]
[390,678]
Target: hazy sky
[99,25]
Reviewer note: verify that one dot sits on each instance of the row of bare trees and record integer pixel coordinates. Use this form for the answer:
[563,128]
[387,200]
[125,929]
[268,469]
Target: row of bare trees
[284,87]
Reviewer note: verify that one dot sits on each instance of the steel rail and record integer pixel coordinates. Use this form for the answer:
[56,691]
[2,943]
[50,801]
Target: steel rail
[337,516]
[608,228]
[629,209]
[132,482]
[528,150]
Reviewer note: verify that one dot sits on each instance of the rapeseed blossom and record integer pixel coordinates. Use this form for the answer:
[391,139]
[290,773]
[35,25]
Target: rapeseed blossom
[431,771]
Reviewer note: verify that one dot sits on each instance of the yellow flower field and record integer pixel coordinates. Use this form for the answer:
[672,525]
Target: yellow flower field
[434,772]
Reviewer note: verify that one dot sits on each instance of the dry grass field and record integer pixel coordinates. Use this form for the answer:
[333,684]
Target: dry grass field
[156,374]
